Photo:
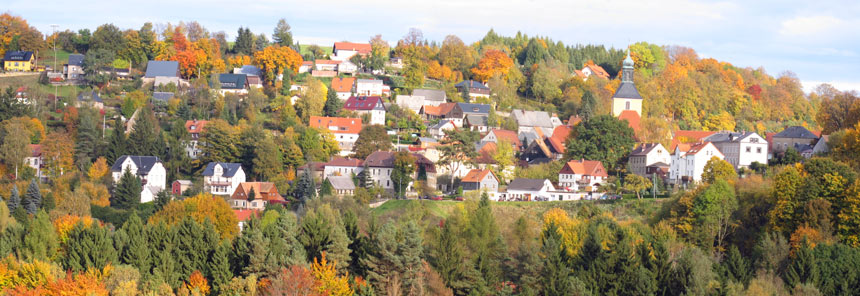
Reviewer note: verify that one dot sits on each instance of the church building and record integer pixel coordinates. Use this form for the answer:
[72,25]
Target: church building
[627,97]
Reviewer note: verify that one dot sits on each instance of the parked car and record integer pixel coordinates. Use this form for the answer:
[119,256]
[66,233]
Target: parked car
[459,198]
[436,197]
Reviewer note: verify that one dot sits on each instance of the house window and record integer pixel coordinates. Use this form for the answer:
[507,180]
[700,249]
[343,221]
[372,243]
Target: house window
[758,150]
[749,149]
[627,105]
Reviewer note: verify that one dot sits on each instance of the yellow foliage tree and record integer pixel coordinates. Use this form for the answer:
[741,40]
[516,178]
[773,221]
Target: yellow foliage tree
[97,193]
[201,207]
[64,224]
[99,169]
[57,152]
[328,282]
[572,230]
[494,62]
[197,284]
[273,60]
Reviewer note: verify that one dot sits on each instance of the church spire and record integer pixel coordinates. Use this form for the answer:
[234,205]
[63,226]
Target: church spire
[627,70]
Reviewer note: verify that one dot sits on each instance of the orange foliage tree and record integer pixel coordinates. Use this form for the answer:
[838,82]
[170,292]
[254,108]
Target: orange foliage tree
[98,170]
[493,63]
[273,60]
[201,207]
[57,152]
[328,282]
[297,280]
[197,284]
[64,224]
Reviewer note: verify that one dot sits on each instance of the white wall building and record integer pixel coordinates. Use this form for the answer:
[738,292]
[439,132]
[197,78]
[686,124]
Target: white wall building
[648,154]
[368,87]
[740,149]
[222,178]
[149,169]
[688,162]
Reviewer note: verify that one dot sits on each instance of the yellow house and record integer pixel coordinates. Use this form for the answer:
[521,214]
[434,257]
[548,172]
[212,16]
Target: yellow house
[19,61]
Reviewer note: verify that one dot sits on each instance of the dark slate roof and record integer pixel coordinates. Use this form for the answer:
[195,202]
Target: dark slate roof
[627,91]
[18,56]
[232,81]
[802,147]
[643,149]
[162,96]
[87,96]
[143,163]
[797,132]
[477,120]
[436,95]
[526,184]
[162,68]
[474,108]
[230,169]
[471,84]
[727,137]
[76,60]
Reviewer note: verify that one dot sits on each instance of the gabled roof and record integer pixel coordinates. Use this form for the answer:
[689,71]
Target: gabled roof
[342,85]
[162,96]
[692,136]
[435,95]
[35,150]
[584,167]
[441,110]
[143,163]
[249,70]
[195,126]
[162,69]
[476,120]
[694,149]
[260,187]
[559,136]
[232,81]
[476,176]
[574,120]
[486,151]
[368,81]
[523,184]
[18,56]
[598,70]
[632,119]
[627,91]
[228,169]
[76,60]
[472,85]
[344,162]
[796,132]
[327,62]
[644,149]
[474,108]
[341,182]
[441,124]
[380,159]
[337,125]
[363,103]
[89,96]
[184,182]
[532,118]
[728,137]
[510,136]
[361,48]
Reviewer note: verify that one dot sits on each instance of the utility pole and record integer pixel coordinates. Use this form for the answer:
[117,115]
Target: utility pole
[54,29]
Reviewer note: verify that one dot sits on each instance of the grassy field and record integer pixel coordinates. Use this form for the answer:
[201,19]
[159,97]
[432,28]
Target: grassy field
[303,49]
[36,89]
[47,58]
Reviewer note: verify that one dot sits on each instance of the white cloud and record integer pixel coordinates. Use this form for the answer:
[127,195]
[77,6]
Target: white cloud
[809,86]
[808,26]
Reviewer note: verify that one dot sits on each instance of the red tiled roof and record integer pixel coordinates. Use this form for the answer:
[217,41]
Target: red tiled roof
[440,110]
[263,190]
[692,136]
[308,63]
[36,150]
[327,62]
[476,176]
[698,147]
[197,124]
[632,119]
[361,48]
[318,73]
[244,215]
[598,70]
[362,103]
[342,84]
[337,125]
[574,120]
[486,154]
[584,167]
[559,135]
[345,162]
[510,136]
[580,74]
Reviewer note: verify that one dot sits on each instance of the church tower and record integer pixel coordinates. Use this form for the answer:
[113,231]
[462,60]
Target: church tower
[626,96]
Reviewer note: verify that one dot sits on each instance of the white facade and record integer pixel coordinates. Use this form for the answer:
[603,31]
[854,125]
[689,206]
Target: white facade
[540,194]
[334,170]
[377,115]
[347,67]
[688,166]
[438,131]
[413,103]
[345,141]
[742,152]
[218,184]
[368,87]
[381,177]
[639,163]
[157,176]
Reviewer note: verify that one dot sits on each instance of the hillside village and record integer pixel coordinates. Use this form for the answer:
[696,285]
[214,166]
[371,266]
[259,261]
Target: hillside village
[181,127]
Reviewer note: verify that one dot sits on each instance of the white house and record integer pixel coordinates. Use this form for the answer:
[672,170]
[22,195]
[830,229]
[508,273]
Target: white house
[306,67]
[326,65]
[222,178]
[343,87]
[740,149]
[529,190]
[149,169]
[340,166]
[381,163]
[345,130]
[347,67]
[582,175]
[412,102]
[645,155]
[369,87]
[367,105]
[528,121]
[343,51]
[194,128]
[483,180]
[438,130]
[35,160]
[688,162]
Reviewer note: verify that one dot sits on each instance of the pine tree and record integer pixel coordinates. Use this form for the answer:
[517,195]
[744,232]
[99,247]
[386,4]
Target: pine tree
[144,136]
[162,199]
[14,200]
[195,247]
[117,146]
[333,104]
[219,267]
[89,247]
[87,138]
[326,189]
[556,276]
[394,253]
[127,192]
[136,251]
[284,246]
[250,251]
[338,250]
[41,240]
[305,189]
[315,235]
[48,202]
[803,268]
[736,267]
[33,198]
[162,242]
[446,255]
[252,195]
[486,242]
[364,179]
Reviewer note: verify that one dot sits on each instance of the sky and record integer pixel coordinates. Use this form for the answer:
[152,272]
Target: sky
[818,41]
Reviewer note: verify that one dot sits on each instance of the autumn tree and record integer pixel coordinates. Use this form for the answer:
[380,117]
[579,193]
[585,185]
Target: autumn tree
[313,100]
[636,183]
[457,149]
[200,208]
[371,138]
[273,60]
[222,142]
[603,138]
[713,209]
[494,62]
[718,169]
[328,282]
[57,152]
[15,145]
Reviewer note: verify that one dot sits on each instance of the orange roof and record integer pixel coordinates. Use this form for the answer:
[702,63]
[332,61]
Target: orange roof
[580,74]
[361,48]
[263,190]
[337,125]
[584,167]
[195,126]
[440,110]
[36,150]
[308,63]
[574,120]
[597,70]
[342,84]
[327,62]
[683,147]
[476,176]
[510,136]
[698,147]
[559,135]
[692,136]
[632,119]
[486,154]
[244,215]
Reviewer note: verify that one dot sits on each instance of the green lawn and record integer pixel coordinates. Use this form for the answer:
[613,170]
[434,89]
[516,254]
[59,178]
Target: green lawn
[303,49]
[36,89]
[47,58]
